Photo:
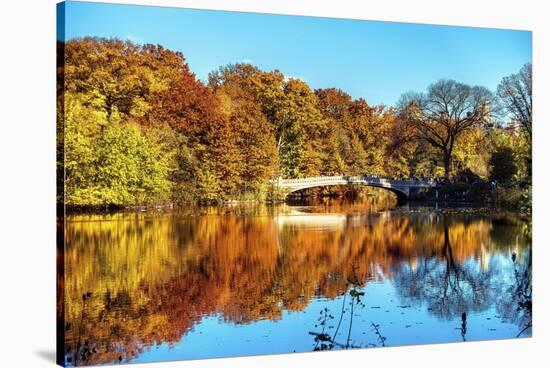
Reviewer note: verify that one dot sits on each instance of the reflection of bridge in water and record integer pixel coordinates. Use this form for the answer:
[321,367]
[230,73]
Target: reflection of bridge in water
[404,189]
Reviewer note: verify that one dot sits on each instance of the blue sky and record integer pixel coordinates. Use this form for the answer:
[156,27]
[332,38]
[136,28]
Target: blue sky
[375,60]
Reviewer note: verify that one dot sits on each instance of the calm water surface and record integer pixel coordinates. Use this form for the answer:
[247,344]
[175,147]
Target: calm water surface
[256,280]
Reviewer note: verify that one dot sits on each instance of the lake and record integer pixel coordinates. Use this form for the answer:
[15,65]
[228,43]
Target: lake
[246,280]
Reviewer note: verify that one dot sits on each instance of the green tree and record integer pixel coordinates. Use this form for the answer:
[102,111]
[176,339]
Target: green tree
[111,162]
[82,126]
[503,167]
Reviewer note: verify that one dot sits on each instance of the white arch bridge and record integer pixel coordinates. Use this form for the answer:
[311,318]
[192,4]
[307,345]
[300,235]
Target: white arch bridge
[404,189]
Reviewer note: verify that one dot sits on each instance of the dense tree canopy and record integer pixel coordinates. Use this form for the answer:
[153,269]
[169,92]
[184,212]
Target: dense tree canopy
[138,127]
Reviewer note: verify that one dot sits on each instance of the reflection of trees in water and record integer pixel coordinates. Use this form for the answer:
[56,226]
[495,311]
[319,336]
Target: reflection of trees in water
[447,286]
[151,279]
[453,289]
[516,303]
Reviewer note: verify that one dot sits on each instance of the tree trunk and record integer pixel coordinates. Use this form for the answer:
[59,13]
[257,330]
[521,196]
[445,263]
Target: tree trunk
[447,164]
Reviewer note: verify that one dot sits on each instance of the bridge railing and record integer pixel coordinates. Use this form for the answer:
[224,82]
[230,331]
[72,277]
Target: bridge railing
[352,179]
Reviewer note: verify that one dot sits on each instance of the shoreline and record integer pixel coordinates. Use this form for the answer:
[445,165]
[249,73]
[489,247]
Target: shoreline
[173,206]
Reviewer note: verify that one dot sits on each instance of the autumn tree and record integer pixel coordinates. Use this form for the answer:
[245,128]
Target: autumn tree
[334,106]
[372,127]
[289,106]
[188,106]
[235,89]
[440,116]
[472,151]
[301,151]
[361,131]
[123,86]
[111,72]
[137,126]
[208,157]
[255,138]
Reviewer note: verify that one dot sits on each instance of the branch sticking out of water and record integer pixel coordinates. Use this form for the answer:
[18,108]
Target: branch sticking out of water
[377,332]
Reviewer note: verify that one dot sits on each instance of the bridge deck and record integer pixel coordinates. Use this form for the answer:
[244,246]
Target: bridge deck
[402,187]
[362,179]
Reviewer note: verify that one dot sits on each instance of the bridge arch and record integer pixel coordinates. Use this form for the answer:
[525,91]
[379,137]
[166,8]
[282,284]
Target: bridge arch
[402,188]
[402,196]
